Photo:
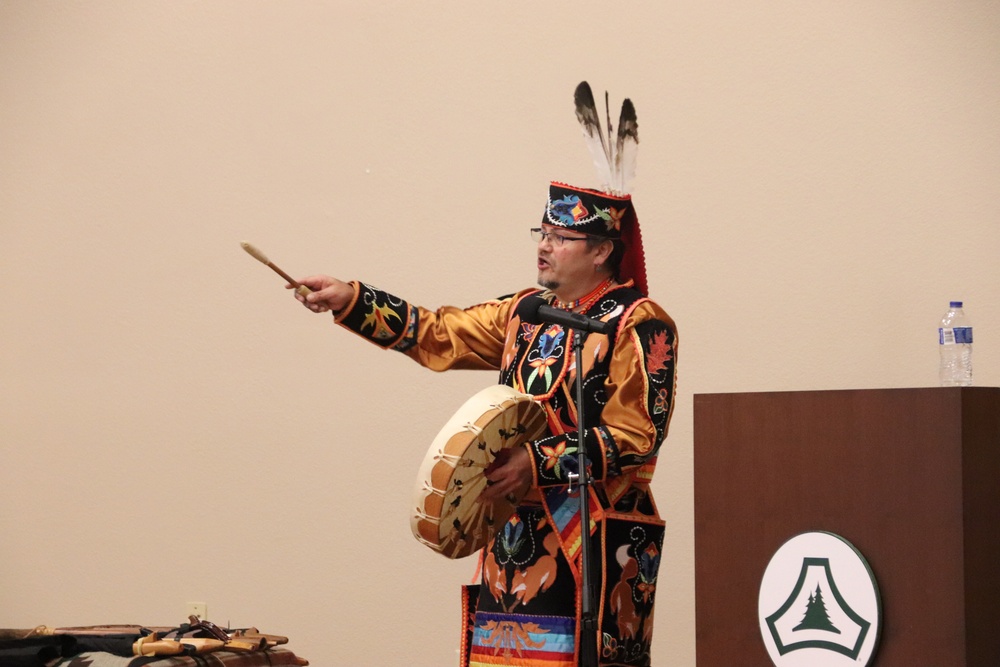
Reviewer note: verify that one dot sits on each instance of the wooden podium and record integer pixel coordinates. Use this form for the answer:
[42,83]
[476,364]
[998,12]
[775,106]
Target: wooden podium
[911,477]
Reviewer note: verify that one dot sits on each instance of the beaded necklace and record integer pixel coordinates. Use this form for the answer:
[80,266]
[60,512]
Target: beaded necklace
[586,301]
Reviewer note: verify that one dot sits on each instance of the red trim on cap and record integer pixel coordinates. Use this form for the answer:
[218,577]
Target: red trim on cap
[599,193]
[633,265]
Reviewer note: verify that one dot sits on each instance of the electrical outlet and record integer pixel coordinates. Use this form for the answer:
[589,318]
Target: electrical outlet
[199,609]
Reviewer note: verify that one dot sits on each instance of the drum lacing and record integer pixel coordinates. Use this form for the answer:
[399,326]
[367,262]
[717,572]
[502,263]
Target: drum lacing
[430,489]
[421,514]
[455,461]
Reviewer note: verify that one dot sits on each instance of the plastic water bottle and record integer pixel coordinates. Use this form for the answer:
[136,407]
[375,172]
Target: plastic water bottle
[955,344]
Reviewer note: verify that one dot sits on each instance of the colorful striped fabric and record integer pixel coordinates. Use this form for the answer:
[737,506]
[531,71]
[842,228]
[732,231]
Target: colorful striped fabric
[522,640]
[565,508]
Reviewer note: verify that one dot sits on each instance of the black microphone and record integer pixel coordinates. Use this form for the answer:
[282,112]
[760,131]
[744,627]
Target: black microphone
[537,310]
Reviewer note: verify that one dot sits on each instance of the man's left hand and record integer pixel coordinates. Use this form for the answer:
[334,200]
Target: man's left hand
[510,476]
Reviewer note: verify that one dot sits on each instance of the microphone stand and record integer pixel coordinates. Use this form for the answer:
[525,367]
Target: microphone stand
[588,615]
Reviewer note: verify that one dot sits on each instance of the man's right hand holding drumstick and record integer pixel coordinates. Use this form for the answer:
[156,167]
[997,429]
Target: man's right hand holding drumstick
[328,294]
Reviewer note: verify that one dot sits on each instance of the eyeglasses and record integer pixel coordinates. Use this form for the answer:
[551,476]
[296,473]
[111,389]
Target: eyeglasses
[538,235]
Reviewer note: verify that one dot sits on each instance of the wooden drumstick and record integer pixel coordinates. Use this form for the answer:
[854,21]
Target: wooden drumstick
[153,645]
[255,252]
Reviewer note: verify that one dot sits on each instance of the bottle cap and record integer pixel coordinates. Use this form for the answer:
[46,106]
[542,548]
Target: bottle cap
[955,304]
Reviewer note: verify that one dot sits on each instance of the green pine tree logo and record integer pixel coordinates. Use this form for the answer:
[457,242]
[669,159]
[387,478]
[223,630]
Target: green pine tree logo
[816,617]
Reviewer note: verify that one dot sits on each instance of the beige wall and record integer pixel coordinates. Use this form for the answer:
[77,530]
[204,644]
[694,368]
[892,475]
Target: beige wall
[817,180]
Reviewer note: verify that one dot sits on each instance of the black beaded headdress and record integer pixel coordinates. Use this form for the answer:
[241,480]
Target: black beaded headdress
[608,210]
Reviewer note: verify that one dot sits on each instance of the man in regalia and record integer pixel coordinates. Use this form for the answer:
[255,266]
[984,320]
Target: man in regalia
[526,609]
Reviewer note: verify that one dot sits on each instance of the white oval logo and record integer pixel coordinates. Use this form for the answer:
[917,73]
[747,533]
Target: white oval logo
[819,604]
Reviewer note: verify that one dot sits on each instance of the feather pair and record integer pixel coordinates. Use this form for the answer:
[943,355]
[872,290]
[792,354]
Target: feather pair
[615,162]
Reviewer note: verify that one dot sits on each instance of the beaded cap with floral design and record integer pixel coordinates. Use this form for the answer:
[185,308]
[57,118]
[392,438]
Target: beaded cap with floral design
[607,211]
[600,214]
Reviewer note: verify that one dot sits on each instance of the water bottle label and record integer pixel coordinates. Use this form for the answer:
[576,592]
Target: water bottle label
[956,335]
[963,335]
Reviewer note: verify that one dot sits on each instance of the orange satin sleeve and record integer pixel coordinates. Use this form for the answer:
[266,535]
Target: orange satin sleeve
[627,414]
[462,338]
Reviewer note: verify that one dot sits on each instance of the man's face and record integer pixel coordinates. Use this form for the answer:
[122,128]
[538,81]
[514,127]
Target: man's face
[565,264]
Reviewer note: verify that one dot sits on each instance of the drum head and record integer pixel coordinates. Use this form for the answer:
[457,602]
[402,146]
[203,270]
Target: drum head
[449,518]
